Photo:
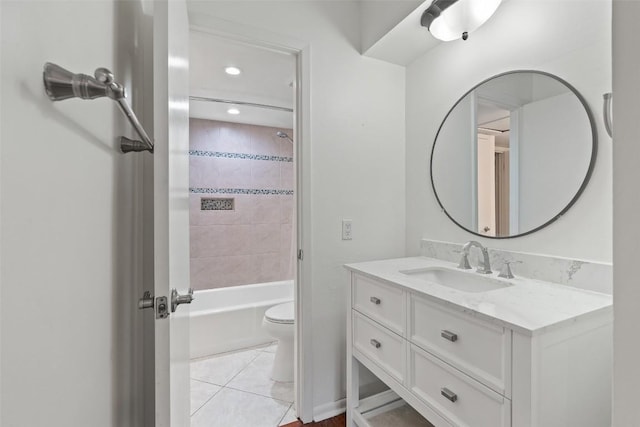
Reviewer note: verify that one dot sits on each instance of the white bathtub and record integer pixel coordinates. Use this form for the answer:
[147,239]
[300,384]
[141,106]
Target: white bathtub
[228,319]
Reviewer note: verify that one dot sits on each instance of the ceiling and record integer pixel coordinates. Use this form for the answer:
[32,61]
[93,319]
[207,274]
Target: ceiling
[493,117]
[267,78]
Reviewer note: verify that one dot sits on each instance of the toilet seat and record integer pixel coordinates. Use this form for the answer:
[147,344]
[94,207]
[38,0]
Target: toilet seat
[281,313]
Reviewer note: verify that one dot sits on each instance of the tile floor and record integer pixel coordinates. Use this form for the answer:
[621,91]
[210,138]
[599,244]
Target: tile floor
[235,390]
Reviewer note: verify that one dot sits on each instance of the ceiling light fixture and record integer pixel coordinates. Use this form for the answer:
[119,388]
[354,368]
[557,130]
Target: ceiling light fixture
[233,111]
[451,19]
[232,71]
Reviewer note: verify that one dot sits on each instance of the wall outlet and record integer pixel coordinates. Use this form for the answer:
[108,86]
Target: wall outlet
[346,229]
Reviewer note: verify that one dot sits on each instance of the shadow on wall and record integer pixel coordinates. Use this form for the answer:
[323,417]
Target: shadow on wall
[132,31]
[55,112]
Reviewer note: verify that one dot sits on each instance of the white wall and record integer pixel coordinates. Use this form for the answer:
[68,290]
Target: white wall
[357,160]
[68,223]
[626,203]
[574,43]
[379,16]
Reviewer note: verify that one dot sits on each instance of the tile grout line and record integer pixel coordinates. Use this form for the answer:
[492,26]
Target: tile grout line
[290,404]
[223,386]
[230,352]
[258,394]
[258,351]
[205,382]
[245,367]
[208,400]
[285,414]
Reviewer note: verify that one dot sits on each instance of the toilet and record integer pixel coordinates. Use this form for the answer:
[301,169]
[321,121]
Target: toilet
[278,321]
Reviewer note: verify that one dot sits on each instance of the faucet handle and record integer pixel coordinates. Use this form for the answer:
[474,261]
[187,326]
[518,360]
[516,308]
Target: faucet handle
[464,260]
[506,272]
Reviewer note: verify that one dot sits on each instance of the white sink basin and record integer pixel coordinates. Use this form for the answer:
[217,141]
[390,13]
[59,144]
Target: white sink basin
[457,279]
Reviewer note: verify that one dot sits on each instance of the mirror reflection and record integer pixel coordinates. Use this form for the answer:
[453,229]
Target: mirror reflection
[513,154]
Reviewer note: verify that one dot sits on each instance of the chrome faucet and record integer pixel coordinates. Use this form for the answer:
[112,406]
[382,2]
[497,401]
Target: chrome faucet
[485,268]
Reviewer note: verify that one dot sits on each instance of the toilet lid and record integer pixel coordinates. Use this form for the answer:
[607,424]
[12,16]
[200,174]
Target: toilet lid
[281,313]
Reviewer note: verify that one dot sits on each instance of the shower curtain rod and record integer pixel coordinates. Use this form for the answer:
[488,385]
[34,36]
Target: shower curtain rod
[249,104]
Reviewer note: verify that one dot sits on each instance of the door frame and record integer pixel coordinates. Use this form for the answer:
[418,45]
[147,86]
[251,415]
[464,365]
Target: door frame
[302,151]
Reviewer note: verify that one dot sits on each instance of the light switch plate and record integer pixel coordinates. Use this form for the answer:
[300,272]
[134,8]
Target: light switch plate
[347,229]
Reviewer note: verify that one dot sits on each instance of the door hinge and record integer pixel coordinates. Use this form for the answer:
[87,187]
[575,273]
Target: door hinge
[300,254]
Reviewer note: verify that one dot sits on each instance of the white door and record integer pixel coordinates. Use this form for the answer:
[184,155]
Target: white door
[486,185]
[171,208]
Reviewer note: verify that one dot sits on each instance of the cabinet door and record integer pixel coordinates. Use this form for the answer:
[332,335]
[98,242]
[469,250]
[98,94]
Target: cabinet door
[457,397]
[477,348]
[382,346]
[383,303]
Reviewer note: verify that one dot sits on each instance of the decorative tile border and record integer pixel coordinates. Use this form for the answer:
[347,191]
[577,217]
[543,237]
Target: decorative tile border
[588,275]
[240,191]
[200,153]
[216,204]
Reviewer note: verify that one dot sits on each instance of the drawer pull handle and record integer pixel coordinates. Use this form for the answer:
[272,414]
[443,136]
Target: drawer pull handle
[375,300]
[449,336]
[376,343]
[449,394]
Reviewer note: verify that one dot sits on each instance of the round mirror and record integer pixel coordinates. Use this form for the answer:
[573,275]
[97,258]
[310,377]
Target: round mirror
[513,154]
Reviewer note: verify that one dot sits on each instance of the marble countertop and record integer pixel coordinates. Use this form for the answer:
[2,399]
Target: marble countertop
[529,306]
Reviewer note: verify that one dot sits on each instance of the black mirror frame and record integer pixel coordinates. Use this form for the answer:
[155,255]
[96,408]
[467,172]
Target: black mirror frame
[594,153]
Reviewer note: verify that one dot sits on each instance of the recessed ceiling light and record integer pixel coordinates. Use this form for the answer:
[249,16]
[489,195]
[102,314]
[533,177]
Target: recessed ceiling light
[232,71]
[233,111]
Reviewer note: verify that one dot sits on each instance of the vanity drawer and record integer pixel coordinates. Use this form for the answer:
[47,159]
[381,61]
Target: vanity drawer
[383,303]
[478,348]
[383,347]
[457,397]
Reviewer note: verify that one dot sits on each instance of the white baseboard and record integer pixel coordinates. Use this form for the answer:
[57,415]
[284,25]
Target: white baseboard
[328,410]
[331,409]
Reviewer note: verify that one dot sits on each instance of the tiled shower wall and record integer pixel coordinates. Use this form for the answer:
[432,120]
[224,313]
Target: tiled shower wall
[252,242]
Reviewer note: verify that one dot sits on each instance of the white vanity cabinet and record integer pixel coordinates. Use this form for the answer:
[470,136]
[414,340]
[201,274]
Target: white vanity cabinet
[459,367]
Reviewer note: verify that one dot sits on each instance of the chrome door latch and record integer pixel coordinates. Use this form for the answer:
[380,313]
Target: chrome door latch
[160,303]
[177,299]
[146,301]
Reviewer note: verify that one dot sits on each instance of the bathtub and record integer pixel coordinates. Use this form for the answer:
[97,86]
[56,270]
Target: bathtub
[228,319]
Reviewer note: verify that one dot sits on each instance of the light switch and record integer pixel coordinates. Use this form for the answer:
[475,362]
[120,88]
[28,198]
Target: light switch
[346,229]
